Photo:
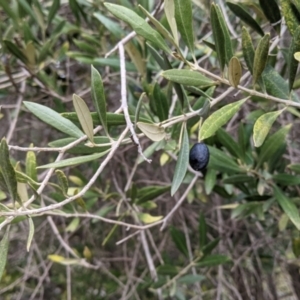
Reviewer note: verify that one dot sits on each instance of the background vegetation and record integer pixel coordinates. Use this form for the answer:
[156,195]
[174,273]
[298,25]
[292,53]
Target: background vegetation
[100,104]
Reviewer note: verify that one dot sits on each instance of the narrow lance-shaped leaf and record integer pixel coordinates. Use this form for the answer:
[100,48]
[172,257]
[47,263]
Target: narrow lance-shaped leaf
[202,231]
[8,171]
[261,57]
[187,77]
[74,161]
[291,15]
[240,12]
[14,49]
[30,234]
[288,206]
[272,12]
[263,125]
[160,28]
[219,118]
[221,36]
[272,144]
[292,62]
[3,252]
[62,181]
[169,8]
[234,71]
[98,97]
[184,21]
[53,10]
[54,119]
[248,49]
[31,165]
[182,162]
[84,116]
[138,24]
[161,103]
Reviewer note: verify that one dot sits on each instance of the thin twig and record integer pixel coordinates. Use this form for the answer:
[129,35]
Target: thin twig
[124,102]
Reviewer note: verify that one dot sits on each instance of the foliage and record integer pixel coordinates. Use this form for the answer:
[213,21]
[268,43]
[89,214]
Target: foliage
[101,104]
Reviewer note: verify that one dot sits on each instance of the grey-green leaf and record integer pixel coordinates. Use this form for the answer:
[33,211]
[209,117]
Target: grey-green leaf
[261,57]
[182,162]
[30,234]
[272,12]
[248,49]
[287,206]
[74,161]
[8,171]
[240,12]
[3,252]
[234,71]
[138,24]
[54,119]
[62,181]
[263,125]
[292,62]
[187,77]
[219,118]
[184,21]
[272,144]
[53,10]
[221,36]
[98,97]
[289,12]
[84,116]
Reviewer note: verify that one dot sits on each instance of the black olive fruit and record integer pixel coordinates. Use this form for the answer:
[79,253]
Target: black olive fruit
[199,157]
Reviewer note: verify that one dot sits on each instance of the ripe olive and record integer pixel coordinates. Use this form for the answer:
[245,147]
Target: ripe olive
[199,157]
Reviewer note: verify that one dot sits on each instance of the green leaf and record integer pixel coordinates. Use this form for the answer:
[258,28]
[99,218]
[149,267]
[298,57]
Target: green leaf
[14,50]
[170,270]
[219,118]
[210,180]
[241,178]
[82,148]
[30,234]
[152,131]
[161,103]
[8,171]
[213,260]
[98,97]
[138,24]
[73,225]
[187,77]
[295,246]
[179,240]
[148,219]
[54,119]
[182,162]
[287,206]
[10,12]
[294,167]
[31,165]
[112,119]
[110,25]
[272,144]
[73,161]
[160,28]
[184,21]
[221,162]
[190,279]
[209,247]
[3,252]
[292,62]
[234,71]
[248,49]
[261,57]
[62,181]
[229,143]
[53,10]
[240,12]
[169,8]
[202,228]
[286,179]
[272,12]
[221,36]
[150,192]
[263,125]
[290,14]
[84,116]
